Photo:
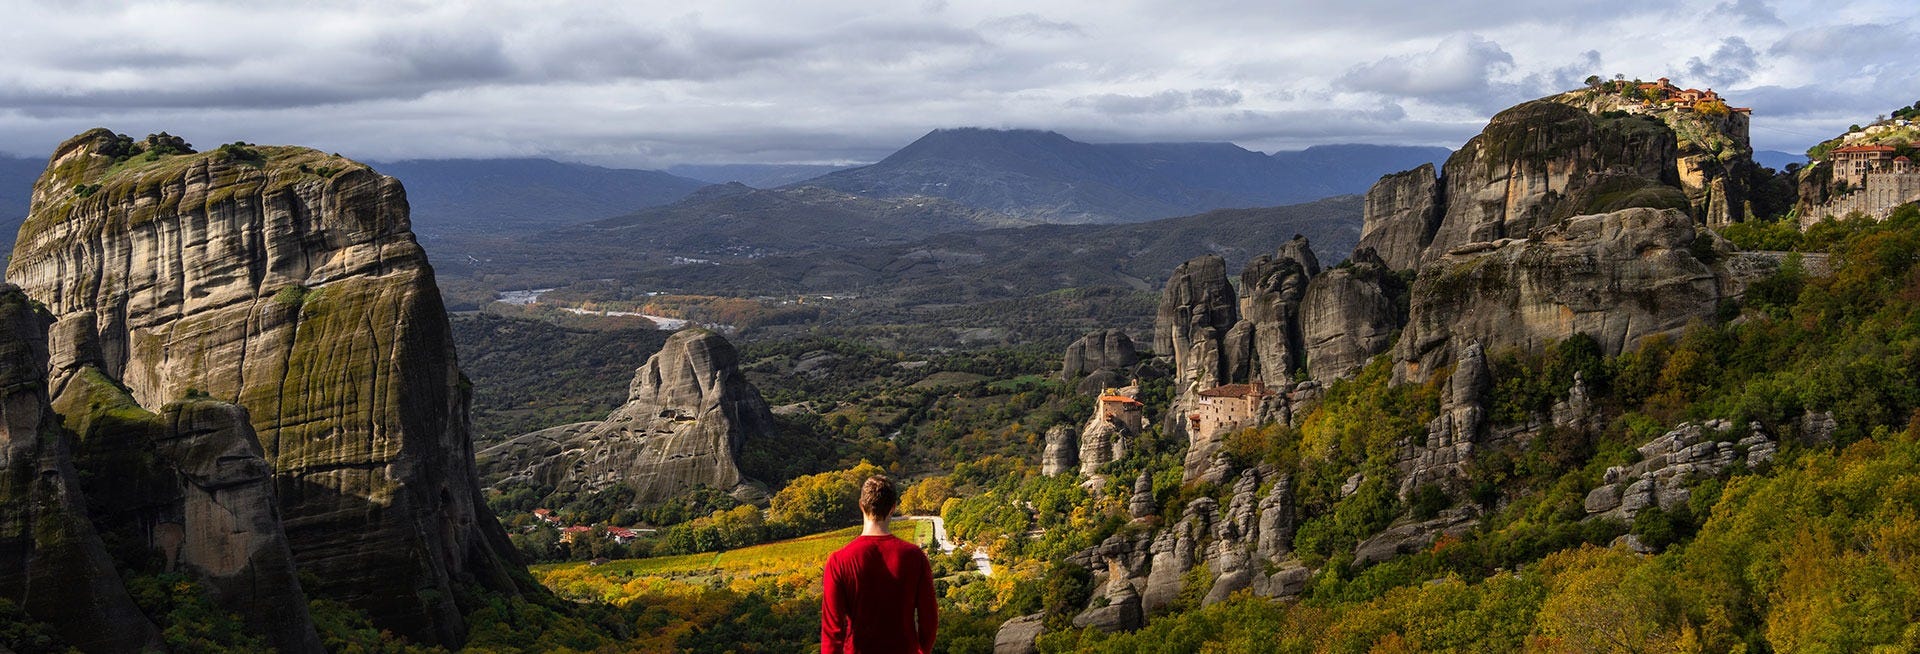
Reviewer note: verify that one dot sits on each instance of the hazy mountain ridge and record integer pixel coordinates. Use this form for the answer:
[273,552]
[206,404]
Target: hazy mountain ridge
[16,189]
[755,175]
[526,195]
[1052,178]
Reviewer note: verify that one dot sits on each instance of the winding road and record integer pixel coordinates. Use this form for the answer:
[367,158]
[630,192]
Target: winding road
[980,559]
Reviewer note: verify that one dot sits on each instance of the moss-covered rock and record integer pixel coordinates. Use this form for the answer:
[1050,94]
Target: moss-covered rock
[246,275]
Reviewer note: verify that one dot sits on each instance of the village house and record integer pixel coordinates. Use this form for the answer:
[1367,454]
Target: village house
[568,534]
[1222,409]
[622,535]
[546,516]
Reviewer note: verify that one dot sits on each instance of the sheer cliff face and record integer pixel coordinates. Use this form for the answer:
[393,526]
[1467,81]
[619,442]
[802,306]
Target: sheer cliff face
[687,415]
[52,562]
[1617,277]
[1542,161]
[285,281]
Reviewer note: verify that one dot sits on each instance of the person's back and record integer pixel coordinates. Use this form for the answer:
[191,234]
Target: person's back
[875,586]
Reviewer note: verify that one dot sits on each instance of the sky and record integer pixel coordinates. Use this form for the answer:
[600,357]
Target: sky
[652,84]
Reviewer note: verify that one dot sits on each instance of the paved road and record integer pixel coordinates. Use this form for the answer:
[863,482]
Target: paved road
[980,559]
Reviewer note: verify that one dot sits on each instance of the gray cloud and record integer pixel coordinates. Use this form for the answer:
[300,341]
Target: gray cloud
[1159,103]
[654,83]
[1751,11]
[1731,63]
[1461,68]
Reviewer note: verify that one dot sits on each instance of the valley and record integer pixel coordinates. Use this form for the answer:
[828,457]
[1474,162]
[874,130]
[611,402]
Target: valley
[1596,380]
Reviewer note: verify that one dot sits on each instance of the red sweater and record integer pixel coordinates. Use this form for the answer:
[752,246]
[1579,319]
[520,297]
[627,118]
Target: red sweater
[873,587]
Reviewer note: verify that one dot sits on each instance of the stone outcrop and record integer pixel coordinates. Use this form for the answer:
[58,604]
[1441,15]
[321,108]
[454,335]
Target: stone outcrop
[53,564]
[287,282]
[1274,540]
[1141,505]
[1453,436]
[688,412]
[1713,155]
[1294,320]
[1618,277]
[1348,316]
[1118,419]
[1062,453]
[191,485]
[1543,161]
[1414,536]
[1274,287]
[1100,360]
[1017,636]
[1669,464]
[1196,311]
[1402,212]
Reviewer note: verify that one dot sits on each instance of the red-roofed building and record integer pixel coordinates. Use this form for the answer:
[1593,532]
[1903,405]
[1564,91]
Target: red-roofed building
[567,534]
[1118,406]
[1852,163]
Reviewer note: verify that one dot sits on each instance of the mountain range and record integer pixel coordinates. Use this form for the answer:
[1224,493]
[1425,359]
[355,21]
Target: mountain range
[16,190]
[754,175]
[525,195]
[1048,177]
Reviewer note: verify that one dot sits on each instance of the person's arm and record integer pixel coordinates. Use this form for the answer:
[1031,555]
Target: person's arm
[833,610]
[929,610]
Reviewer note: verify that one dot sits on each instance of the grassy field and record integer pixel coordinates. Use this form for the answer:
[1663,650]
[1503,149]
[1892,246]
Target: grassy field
[776,558]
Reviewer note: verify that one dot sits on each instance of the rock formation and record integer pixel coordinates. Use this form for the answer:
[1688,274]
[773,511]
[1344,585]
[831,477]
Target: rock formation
[1017,636]
[1348,316]
[1669,464]
[1196,311]
[1451,438]
[1062,453]
[1542,161]
[1117,420]
[1274,539]
[1141,504]
[1101,359]
[1274,287]
[1402,212]
[687,415]
[287,282]
[1572,154]
[192,485]
[1617,277]
[1713,156]
[52,562]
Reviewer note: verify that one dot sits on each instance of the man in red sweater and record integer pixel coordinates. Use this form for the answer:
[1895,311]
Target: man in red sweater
[876,585]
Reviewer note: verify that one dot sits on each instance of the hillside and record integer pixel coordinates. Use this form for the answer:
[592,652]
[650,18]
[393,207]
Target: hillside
[754,175]
[1048,177]
[960,267]
[517,196]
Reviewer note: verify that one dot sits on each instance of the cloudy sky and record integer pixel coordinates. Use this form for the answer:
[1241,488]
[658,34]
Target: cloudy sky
[658,83]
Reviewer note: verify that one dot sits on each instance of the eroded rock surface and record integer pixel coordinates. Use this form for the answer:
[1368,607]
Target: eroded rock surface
[1348,316]
[253,279]
[1617,277]
[1100,360]
[688,412]
[1062,453]
[1670,464]
[1402,212]
[53,564]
